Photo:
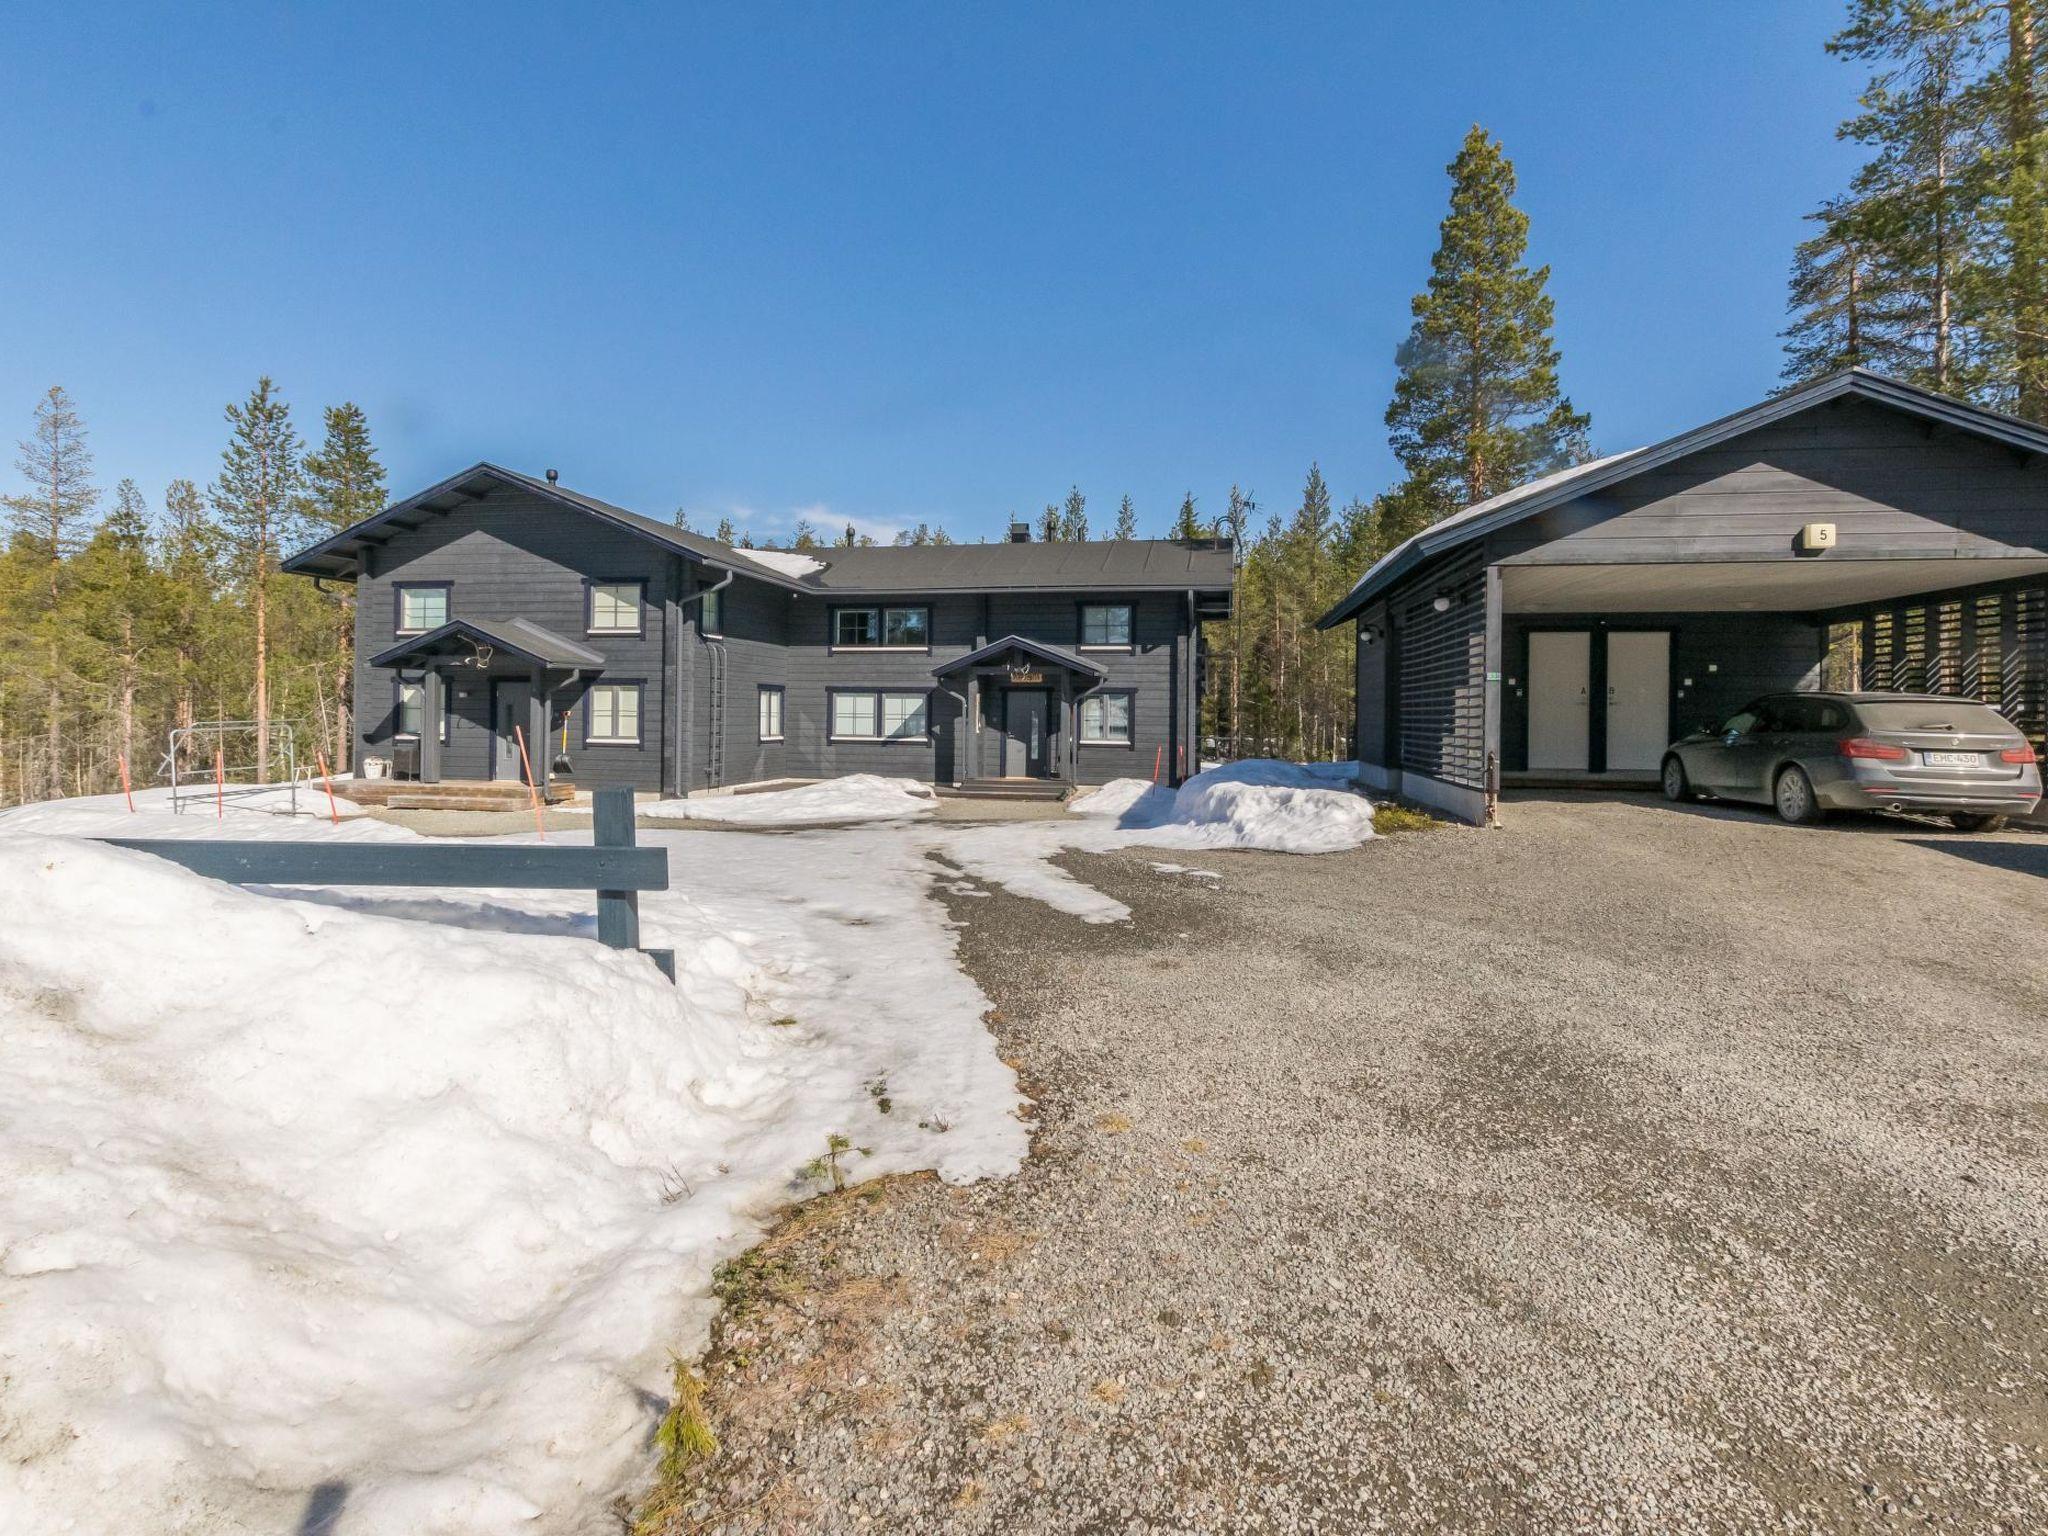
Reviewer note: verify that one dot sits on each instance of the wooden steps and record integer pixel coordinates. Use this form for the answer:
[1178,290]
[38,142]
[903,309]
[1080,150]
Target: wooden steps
[448,795]
[1008,789]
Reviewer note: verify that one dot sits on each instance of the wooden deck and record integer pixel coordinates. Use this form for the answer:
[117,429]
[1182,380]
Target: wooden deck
[448,794]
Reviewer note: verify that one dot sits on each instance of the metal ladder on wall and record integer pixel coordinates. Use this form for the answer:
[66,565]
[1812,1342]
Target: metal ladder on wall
[715,757]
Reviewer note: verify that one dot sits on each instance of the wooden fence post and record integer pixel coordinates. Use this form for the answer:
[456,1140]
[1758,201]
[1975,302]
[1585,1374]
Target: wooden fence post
[618,912]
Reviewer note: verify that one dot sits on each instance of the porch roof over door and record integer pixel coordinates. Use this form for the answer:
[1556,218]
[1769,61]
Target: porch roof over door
[518,639]
[1037,650]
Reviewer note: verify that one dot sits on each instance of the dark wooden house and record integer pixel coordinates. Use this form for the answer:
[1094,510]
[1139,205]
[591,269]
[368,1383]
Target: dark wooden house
[503,620]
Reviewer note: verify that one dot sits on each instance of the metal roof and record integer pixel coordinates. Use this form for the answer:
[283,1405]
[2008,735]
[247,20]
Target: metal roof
[1106,565]
[518,637]
[1524,501]
[1052,653]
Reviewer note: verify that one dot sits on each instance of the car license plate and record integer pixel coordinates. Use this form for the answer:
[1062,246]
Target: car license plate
[1953,759]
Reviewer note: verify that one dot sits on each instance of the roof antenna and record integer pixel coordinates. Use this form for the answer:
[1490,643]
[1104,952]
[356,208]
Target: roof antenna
[554,476]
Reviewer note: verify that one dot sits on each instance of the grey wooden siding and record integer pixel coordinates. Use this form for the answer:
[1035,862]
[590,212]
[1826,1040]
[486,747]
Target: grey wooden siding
[1440,666]
[512,555]
[1719,662]
[1889,485]
[1374,680]
[751,652]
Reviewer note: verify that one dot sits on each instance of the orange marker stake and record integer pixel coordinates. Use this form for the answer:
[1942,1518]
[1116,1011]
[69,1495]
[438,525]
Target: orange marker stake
[333,810]
[125,789]
[532,789]
[1158,757]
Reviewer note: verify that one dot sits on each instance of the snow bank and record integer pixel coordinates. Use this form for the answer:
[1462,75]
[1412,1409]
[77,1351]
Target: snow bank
[261,816]
[305,1205]
[857,797]
[1258,803]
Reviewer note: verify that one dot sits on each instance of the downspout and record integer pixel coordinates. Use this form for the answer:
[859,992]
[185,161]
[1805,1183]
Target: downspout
[682,711]
[1191,734]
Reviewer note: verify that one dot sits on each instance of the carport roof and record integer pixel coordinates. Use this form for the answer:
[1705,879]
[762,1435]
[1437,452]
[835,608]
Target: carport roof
[1525,501]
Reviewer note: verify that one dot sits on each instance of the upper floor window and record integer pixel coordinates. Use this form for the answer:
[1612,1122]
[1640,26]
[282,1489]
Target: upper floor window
[422,607]
[711,621]
[904,629]
[614,607]
[1106,624]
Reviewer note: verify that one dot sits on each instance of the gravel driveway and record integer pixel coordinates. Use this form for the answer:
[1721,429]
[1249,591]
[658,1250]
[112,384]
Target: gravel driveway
[1628,1170]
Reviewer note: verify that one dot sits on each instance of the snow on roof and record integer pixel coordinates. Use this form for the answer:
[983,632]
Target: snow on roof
[788,562]
[1500,503]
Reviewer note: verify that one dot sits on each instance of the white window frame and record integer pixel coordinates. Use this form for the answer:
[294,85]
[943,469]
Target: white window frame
[878,700]
[770,693]
[398,730]
[1101,702]
[591,715]
[405,589]
[1130,640]
[711,613]
[638,606]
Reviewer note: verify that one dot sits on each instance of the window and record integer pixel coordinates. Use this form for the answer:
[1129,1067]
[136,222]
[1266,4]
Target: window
[903,629]
[1106,719]
[862,715]
[1106,624]
[421,608]
[409,716]
[771,713]
[613,718]
[711,621]
[614,608]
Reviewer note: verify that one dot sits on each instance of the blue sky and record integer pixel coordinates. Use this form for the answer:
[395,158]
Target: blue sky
[880,262]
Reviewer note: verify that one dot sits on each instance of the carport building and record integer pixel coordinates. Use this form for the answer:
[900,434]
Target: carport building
[1855,532]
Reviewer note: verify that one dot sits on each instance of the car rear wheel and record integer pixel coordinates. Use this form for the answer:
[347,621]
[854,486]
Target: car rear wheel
[1973,821]
[1676,785]
[1794,798]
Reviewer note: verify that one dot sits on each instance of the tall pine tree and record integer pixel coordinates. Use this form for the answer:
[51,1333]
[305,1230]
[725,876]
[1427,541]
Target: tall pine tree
[344,485]
[1126,520]
[257,498]
[1477,408]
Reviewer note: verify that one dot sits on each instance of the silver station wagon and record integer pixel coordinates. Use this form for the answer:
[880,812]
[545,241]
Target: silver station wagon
[1811,753]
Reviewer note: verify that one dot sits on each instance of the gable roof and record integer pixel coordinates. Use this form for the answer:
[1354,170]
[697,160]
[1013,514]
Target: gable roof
[518,637]
[1537,496]
[1057,655]
[1107,565]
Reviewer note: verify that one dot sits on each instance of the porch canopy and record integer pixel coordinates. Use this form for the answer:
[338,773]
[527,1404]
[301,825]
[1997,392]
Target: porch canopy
[1016,662]
[498,648]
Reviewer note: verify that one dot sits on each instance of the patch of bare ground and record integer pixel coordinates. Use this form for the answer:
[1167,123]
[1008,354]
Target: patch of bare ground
[1627,1171]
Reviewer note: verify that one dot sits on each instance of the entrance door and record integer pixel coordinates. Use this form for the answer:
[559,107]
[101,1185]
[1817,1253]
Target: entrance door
[1638,699]
[509,703]
[1560,672]
[1027,734]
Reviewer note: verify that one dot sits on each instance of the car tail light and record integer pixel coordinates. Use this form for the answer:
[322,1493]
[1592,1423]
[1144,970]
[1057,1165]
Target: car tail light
[2023,753]
[1863,746]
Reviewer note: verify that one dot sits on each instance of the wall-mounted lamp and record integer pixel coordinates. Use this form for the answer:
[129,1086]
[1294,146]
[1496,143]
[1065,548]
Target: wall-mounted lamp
[1442,603]
[1368,635]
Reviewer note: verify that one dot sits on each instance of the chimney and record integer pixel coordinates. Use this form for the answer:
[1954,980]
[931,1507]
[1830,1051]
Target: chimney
[1020,533]
[554,476]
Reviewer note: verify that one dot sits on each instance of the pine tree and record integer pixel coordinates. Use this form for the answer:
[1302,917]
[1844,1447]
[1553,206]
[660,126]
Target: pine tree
[2020,208]
[344,485]
[53,518]
[725,533]
[1074,517]
[258,500]
[1126,520]
[114,604]
[1189,525]
[805,537]
[681,519]
[1477,407]
[190,555]
[1236,522]
[1833,298]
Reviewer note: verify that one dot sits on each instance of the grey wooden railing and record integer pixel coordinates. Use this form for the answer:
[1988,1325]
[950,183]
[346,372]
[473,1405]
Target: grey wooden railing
[613,867]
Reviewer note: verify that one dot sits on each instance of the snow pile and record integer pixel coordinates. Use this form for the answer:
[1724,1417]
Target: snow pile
[262,816]
[857,797]
[1258,803]
[306,1207]
[787,561]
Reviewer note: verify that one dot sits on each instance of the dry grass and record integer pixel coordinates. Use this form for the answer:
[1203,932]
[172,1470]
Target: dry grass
[1110,1391]
[1388,819]
[1113,1124]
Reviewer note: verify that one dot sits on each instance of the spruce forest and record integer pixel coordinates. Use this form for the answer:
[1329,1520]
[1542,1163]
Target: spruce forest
[126,611]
